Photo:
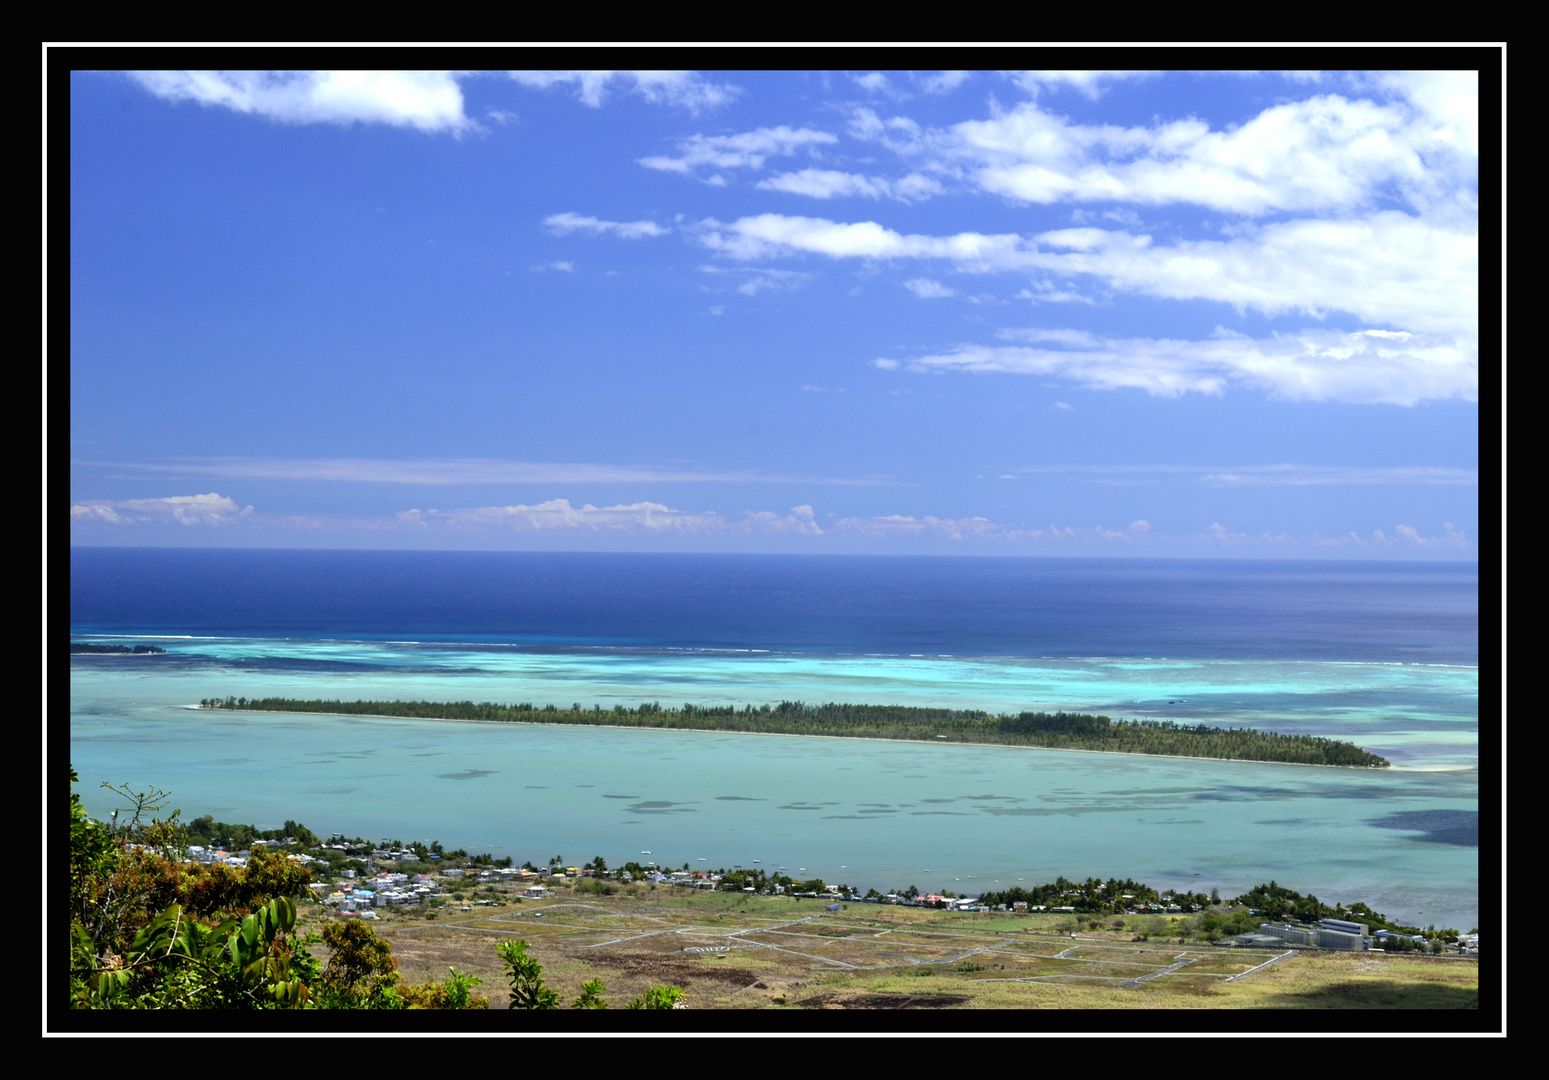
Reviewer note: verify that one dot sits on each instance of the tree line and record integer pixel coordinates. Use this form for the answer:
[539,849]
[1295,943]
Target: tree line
[1060,730]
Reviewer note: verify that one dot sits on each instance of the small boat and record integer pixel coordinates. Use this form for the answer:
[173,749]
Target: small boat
[645,853]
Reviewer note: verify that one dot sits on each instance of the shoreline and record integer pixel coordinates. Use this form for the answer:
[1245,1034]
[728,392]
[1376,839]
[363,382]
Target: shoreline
[793,735]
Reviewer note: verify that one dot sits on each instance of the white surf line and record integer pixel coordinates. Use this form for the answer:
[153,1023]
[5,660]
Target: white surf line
[1261,967]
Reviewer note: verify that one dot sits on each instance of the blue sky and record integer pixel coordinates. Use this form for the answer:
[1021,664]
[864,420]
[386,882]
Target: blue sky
[1035,313]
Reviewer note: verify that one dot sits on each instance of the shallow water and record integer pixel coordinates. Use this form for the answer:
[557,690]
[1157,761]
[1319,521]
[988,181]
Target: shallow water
[868,813]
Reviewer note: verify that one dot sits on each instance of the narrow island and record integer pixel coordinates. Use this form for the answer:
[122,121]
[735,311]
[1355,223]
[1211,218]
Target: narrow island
[1059,731]
[113,650]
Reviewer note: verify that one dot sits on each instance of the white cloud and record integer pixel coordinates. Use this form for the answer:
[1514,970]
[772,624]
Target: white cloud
[211,509]
[1314,365]
[801,520]
[1075,339]
[451,471]
[1450,538]
[754,280]
[1088,83]
[1046,292]
[1321,153]
[747,150]
[685,89]
[1387,268]
[564,224]
[830,183]
[926,289]
[961,529]
[943,82]
[640,517]
[873,83]
[781,234]
[899,133]
[1448,103]
[1281,475]
[559,514]
[908,525]
[1221,533]
[1323,475]
[426,100]
[1141,527]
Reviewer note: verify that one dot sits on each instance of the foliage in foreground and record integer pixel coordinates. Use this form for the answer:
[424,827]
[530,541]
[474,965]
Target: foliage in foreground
[149,931]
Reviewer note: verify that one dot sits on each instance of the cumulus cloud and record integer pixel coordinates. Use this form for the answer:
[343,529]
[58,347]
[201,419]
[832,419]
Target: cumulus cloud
[640,517]
[1321,153]
[873,82]
[1312,365]
[964,529]
[830,183]
[210,509]
[801,520]
[429,101]
[1089,84]
[1451,537]
[685,89]
[1387,268]
[747,150]
[1047,292]
[943,82]
[559,514]
[567,223]
[926,289]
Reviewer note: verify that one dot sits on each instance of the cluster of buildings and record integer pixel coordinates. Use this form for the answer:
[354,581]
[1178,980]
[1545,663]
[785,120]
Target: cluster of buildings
[1340,935]
[197,853]
[1335,934]
[378,892]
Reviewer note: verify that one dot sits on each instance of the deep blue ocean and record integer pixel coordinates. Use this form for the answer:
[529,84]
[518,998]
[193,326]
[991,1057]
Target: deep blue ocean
[1385,656]
[1416,612]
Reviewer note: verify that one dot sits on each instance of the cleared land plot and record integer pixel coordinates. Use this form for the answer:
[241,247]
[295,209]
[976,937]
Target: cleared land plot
[778,953]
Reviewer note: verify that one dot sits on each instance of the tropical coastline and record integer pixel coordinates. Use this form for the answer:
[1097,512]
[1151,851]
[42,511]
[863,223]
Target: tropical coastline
[1069,731]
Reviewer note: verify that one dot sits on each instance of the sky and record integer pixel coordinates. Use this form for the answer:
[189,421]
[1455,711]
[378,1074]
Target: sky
[1080,313]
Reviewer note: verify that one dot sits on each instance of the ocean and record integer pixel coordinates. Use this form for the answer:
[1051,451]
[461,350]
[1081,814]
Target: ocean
[1383,655]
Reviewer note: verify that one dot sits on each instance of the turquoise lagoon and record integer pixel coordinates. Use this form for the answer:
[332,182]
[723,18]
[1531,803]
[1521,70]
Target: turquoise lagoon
[868,813]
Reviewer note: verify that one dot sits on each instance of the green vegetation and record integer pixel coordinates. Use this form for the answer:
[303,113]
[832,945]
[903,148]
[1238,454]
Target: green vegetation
[114,650]
[1216,919]
[1094,897]
[151,931]
[1067,731]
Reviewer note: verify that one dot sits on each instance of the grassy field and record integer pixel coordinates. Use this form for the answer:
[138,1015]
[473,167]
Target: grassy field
[734,952]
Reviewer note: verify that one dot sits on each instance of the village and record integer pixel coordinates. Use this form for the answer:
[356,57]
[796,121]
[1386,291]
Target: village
[358,880]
